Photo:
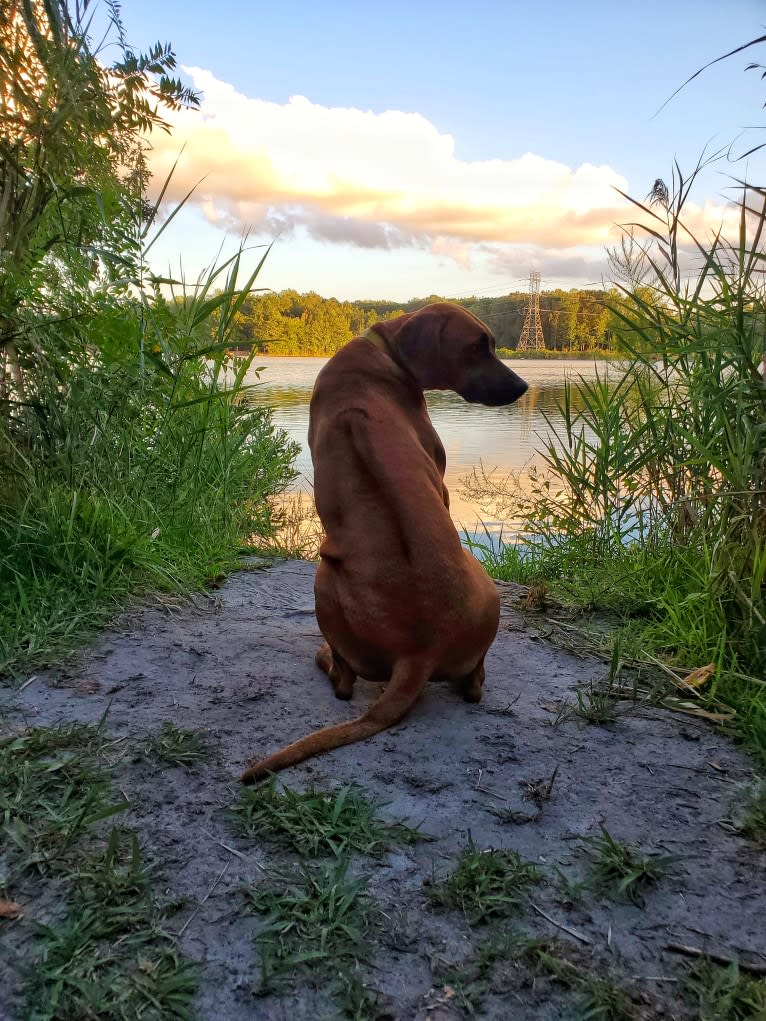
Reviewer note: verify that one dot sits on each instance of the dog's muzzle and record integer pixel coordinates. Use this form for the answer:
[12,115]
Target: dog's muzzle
[494,385]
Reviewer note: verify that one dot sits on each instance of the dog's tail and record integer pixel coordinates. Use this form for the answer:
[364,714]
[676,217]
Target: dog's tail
[408,680]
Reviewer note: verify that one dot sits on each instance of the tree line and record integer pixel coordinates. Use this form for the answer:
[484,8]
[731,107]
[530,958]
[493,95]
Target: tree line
[289,323]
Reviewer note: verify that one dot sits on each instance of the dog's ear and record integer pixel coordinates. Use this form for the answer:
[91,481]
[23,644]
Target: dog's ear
[418,345]
[389,328]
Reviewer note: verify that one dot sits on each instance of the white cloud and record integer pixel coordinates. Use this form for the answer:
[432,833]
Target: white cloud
[377,180]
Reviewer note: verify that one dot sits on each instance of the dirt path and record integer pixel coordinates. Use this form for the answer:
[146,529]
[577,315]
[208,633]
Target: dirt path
[238,667]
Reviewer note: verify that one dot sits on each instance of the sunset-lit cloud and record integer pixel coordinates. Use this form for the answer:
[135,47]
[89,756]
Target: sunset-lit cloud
[386,180]
[374,179]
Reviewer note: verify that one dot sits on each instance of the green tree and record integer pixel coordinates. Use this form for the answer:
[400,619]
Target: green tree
[72,169]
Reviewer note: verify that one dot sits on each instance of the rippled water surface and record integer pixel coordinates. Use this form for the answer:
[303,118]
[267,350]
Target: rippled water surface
[502,439]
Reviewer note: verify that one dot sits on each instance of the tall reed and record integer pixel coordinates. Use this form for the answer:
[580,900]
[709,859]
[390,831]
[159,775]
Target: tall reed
[130,456]
[653,503]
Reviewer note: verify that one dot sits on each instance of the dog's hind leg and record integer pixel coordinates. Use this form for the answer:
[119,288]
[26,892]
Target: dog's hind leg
[471,686]
[340,674]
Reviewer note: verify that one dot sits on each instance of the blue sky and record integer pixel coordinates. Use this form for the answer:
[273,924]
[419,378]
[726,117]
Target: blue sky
[403,149]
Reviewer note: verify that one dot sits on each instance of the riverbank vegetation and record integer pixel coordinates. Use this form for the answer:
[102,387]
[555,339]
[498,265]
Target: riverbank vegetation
[652,505]
[288,323]
[128,458]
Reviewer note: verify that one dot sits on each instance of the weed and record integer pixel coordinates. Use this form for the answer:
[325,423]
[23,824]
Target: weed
[506,960]
[109,958]
[316,919]
[597,703]
[315,823]
[176,746]
[571,889]
[725,994]
[473,979]
[485,884]
[754,824]
[360,1001]
[622,871]
[599,999]
[539,791]
[651,502]
[55,788]
[596,997]
[594,704]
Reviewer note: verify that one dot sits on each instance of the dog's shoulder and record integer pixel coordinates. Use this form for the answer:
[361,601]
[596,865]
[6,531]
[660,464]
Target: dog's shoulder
[360,368]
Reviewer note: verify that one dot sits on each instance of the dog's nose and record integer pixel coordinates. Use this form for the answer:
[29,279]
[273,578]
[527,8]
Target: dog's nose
[501,389]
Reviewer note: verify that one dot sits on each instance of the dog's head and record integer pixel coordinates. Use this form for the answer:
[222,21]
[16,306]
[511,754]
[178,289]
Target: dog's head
[445,347]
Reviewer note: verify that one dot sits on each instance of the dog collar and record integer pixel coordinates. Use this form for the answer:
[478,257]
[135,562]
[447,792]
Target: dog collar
[379,341]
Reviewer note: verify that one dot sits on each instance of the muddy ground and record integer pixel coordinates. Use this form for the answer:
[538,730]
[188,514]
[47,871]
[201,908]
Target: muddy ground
[238,667]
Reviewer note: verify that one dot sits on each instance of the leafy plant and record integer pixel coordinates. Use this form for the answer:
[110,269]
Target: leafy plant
[55,789]
[622,871]
[651,503]
[315,919]
[315,823]
[485,884]
[176,746]
[726,994]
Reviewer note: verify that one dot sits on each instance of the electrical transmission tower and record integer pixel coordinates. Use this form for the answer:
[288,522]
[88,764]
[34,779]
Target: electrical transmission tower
[531,338]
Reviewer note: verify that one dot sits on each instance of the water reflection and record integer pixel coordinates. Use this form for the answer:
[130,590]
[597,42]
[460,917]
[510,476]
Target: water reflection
[502,439]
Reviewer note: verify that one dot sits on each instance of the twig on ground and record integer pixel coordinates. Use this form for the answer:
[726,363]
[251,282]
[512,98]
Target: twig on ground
[564,928]
[687,951]
[194,913]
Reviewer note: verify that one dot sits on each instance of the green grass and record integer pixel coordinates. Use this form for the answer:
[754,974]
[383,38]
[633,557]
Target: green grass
[507,960]
[360,1000]
[106,955]
[725,994]
[316,921]
[473,979]
[56,785]
[109,958]
[595,704]
[754,823]
[621,871]
[176,746]
[485,884]
[315,823]
[147,468]
[649,506]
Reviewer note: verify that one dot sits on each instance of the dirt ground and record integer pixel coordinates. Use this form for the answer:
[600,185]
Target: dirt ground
[238,667]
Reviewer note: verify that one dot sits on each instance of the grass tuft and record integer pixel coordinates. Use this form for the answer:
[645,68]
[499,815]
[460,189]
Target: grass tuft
[56,786]
[725,994]
[176,746]
[624,872]
[316,920]
[314,822]
[485,884]
[754,824]
[109,957]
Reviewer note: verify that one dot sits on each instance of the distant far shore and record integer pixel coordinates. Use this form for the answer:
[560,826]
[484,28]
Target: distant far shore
[507,354]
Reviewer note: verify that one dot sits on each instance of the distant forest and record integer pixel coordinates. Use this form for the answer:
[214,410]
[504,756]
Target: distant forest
[288,323]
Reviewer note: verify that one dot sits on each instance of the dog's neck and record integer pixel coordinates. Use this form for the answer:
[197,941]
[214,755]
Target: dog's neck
[379,341]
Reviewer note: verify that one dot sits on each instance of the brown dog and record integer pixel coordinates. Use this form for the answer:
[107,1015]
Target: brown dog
[397,597]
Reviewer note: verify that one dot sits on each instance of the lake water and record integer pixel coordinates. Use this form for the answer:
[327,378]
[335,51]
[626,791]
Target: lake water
[501,439]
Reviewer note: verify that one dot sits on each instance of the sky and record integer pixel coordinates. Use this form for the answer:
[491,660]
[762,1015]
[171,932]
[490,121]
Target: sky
[402,149]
